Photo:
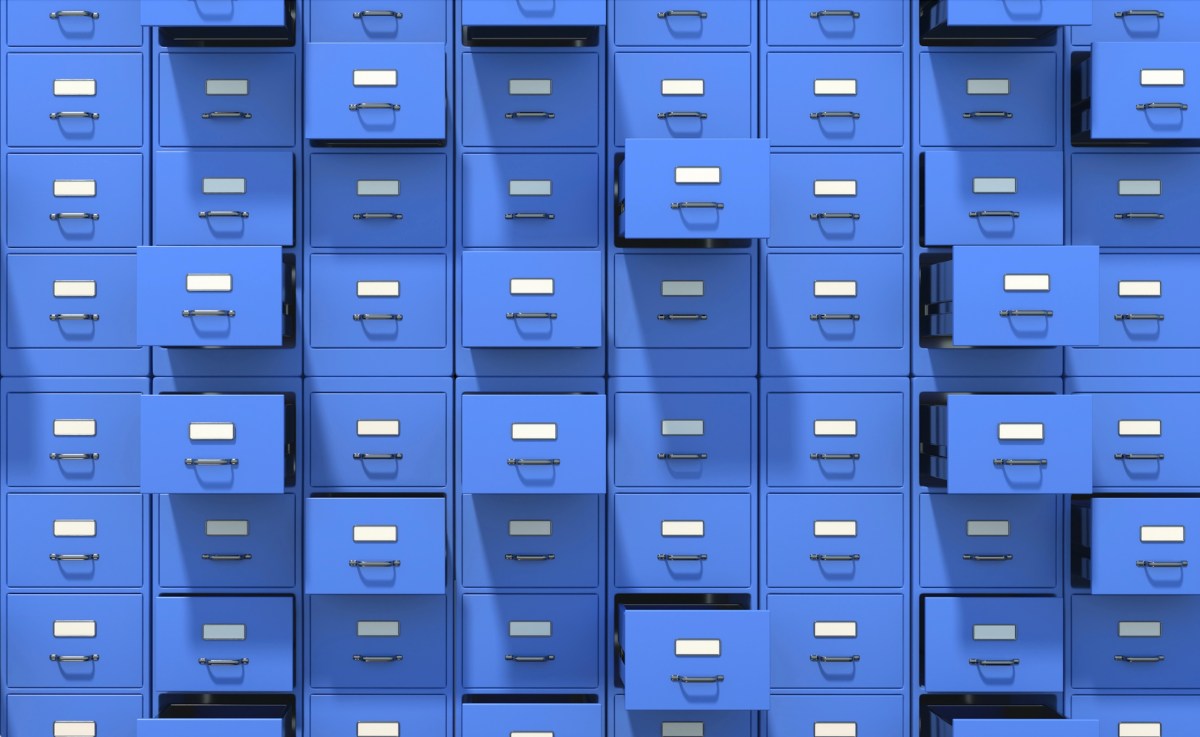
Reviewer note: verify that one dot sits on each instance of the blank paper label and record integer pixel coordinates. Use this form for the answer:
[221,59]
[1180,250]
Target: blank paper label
[530,187]
[709,648]
[683,729]
[1139,629]
[1027,282]
[530,87]
[530,528]
[683,427]
[1139,187]
[75,288]
[835,629]
[226,86]
[1139,289]
[535,431]
[835,86]
[227,527]
[374,77]
[75,628]
[682,289]
[368,628]
[223,185]
[697,175]
[369,428]
[988,528]
[209,283]
[1139,729]
[987,86]
[835,288]
[74,428]
[377,187]
[74,729]
[74,528]
[1021,431]
[530,734]
[531,286]
[378,288]
[683,528]
[835,428]
[374,533]
[529,629]
[994,185]
[835,528]
[74,87]
[835,729]
[1162,533]
[210,431]
[223,632]
[74,187]
[1139,428]
[835,187]
[994,632]
[378,729]
[1162,78]
[682,87]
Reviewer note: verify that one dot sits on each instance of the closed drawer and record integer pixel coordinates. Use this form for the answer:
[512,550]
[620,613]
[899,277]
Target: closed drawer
[851,439]
[841,641]
[997,721]
[530,200]
[686,439]
[1141,90]
[1144,440]
[110,715]
[377,200]
[226,99]
[628,723]
[530,541]
[665,301]
[525,641]
[834,300]
[533,443]
[993,644]
[533,13]
[988,542]
[1016,12]
[694,189]
[375,546]
[833,716]
[235,720]
[1148,297]
[1131,716]
[978,198]
[703,23]
[207,296]
[835,99]
[80,99]
[696,659]
[532,299]
[377,641]
[223,198]
[391,20]
[682,95]
[207,13]
[212,444]
[1138,642]
[524,719]
[75,540]
[74,292]
[812,23]
[44,23]
[378,301]
[974,99]
[547,99]
[226,542]
[1133,199]
[384,440]
[75,200]
[683,540]
[377,715]
[837,200]
[70,439]
[1142,546]
[1168,20]
[74,640]
[364,91]
[223,643]
[834,540]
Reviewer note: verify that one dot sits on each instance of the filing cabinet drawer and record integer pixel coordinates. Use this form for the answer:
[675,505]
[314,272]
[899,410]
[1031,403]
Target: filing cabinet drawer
[835,99]
[694,189]
[74,640]
[223,198]
[993,644]
[834,540]
[530,200]
[1017,12]
[841,641]
[533,444]
[236,720]
[834,300]
[226,542]
[212,444]
[682,95]
[533,12]
[44,23]
[226,99]
[852,439]
[1149,297]
[210,296]
[1142,546]
[675,723]
[812,23]
[392,545]
[386,440]
[390,20]
[532,299]
[981,99]
[683,541]
[367,91]
[695,659]
[223,643]
[978,198]
[703,23]
[1139,642]
[1165,20]
[978,720]
[377,200]
[1144,440]
[64,715]
[526,719]
[685,439]
[378,301]
[75,99]
[1019,444]
[837,200]
[697,301]
[1136,200]
[833,716]
[377,641]
[534,99]
[532,541]
[1132,716]
[74,292]
[1141,90]
[75,200]
[70,439]
[366,716]
[203,13]
[984,541]
[74,540]
[525,641]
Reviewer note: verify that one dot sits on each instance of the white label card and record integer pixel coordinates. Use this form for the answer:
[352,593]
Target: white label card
[74,628]
[74,528]
[74,187]
[378,729]
[670,87]
[697,648]
[835,528]
[534,431]
[682,427]
[1163,533]
[211,431]
[223,185]
[74,288]
[988,528]
[835,86]
[1139,729]
[530,734]
[1139,428]
[1139,289]
[835,428]
[682,729]
[74,729]
[835,187]
[374,533]
[987,86]
[697,175]
[74,428]
[223,632]
[530,528]
[530,87]
[378,428]
[1139,629]
[994,632]
[1139,187]
[227,527]
[226,86]
[682,528]
[209,283]
[1027,282]
[378,289]
[74,87]
[693,288]
[378,628]
[1162,78]
[377,187]
[835,629]
[518,628]
[835,729]
[375,77]
[530,187]
[531,287]
[1021,431]
[845,288]
[994,185]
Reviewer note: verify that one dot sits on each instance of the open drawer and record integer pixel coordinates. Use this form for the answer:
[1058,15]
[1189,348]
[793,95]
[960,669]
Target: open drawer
[229,720]
[1006,720]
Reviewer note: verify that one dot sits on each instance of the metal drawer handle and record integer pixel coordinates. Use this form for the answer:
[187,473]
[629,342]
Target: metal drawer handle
[682,456]
[672,557]
[1131,13]
[683,114]
[374,564]
[835,114]
[74,658]
[1026,313]
[74,216]
[226,556]
[822,558]
[520,558]
[57,316]
[361,316]
[378,216]
[378,456]
[534,461]
[377,658]
[56,14]
[987,558]
[74,556]
[988,114]
[697,679]
[1139,216]
[834,456]
[529,658]
[834,216]
[1140,658]
[1162,564]
[685,13]
[223,214]
[995,214]
[1020,462]
[226,114]
[531,315]
[74,114]
[74,456]
[1139,316]
[682,316]
[1140,456]
[818,14]
[208,313]
[210,461]
[834,658]
[528,216]
[378,14]
[993,663]
[529,114]
[697,205]
[223,661]
[1162,106]
[834,316]
[356,106]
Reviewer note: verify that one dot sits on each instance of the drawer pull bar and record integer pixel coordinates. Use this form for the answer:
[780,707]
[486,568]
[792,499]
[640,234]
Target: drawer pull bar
[223,661]
[374,564]
[226,556]
[697,679]
[528,558]
[834,216]
[378,456]
[1162,564]
[1136,316]
[834,456]
[531,315]
[356,106]
[529,114]
[669,557]
[529,658]
[209,313]
[993,663]
[995,214]
[1162,106]
[226,114]
[685,13]
[377,658]
[533,461]
[74,456]
[1020,462]
[528,216]
[835,316]
[821,558]
[1139,216]
[1139,658]
[56,14]
[210,461]
[74,216]
[682,316]
[224,214]
[74,114]
[378,14]
[74,557]
[378,216]
[987,558]
[683,456]
[697,205]
[834,658]
[360,316]
[1130,13]
[683,114]
[74,658]
[1026,313]
[1140,456]
[57,316]
[988,114]
[818,14]
[835,114]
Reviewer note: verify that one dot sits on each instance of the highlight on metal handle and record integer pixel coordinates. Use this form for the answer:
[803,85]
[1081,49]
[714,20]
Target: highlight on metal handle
[378,14]
[210,461]
[1162,106]
[682,456]
[226,556]
[518,115]
[74,114]
[223,661]
[74,456]
[1140,456]
[356,106]
[533,461]
[834,316]
[531,315]
[1139,216]
[1140,316]
[995,214]
[374,564]
[833,216]
[226,114]
[1131,13]
[835,114]
[74,556]
[223,214]
[1139,658]
[56,14]
[683,114]
[697,679]
[521,558]
[208,313]
[672,557]
[529,658]
[1162,564]
[818,14]
[74,216]
[1020,462]
[361,316]
[528,216]
[688,13]
[834,658]
[377,658]
[378,456]
[834,456]
[993,663]
[822,558]
[74,658]
[682,316]
[59,316]
[697,205]
[987,558]
[378,216]
[1026,313]
[988,114]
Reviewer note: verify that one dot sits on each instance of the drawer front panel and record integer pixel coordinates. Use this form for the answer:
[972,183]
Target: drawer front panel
[667,302]
[226,99]
[683,540]
[530,99]
[110,23]
[1143,90]
[75,640]
[834,540]
[409,20]
[682,95]
[1179,21]
[226,541]
[530,541]
[378,301]
[1142,546]
[840,641]
[74,292]
[1134,715]
[377,641]
[70,100]
[1142,299]
[349,715]
[801,23]
[112,716]
[530,200]
[1133,200]
[974,99]
[504,720]
[1141,440]
[73,440]
[837,200]
[835,99]
[714,23]
[75,540]
[75,200]
[650,723]
[1134,642]
[1010,198]
[524,641]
